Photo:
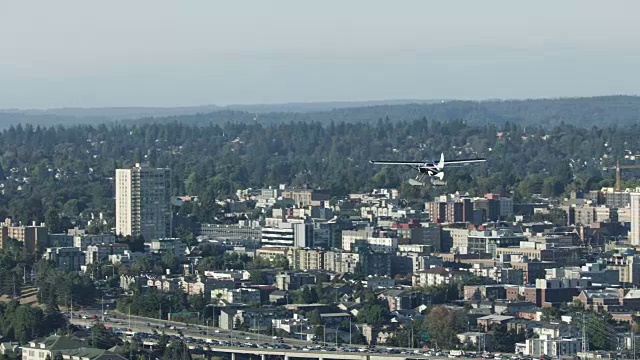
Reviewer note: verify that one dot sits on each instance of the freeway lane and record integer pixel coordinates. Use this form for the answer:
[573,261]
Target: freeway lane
[237,339]
[123,321]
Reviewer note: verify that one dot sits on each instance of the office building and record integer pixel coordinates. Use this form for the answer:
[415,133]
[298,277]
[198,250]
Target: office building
[291,234]
[241,231]
[143,202]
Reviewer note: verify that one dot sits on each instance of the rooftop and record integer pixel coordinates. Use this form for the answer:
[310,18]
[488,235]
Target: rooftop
[56,342]
[495,317]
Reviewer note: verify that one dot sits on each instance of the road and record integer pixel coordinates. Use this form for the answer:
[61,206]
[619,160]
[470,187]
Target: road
[233,339]
[144,324]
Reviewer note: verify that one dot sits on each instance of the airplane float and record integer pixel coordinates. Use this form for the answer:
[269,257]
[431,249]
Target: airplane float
[429,168]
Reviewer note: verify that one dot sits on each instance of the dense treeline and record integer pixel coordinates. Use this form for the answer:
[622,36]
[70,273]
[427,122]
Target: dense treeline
[57,287]
[24,322]
[70,170]
[585,112]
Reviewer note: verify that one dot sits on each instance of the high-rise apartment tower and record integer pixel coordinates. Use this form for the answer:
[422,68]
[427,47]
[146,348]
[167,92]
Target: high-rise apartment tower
[143,202]
[634,234]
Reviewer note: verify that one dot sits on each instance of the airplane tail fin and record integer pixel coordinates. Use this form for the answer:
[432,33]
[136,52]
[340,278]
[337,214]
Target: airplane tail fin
[440,165]
[440,175]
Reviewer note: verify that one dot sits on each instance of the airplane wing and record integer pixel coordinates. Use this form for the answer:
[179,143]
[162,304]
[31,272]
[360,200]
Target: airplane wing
[392,162]
[461,162]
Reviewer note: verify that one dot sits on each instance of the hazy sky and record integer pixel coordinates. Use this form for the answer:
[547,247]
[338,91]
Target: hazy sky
[84,53]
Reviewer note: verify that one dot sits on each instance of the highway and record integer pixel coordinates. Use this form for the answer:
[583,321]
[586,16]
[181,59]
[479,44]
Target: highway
[149,325]
[218,340]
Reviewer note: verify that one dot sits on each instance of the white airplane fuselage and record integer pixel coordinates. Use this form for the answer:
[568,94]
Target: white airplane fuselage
[430,170]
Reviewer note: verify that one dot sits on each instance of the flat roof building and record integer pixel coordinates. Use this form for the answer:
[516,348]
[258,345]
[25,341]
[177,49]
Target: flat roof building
[143,202]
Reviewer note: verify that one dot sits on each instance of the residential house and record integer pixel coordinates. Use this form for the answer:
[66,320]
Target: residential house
[51,346]
[487,322]
[9,349]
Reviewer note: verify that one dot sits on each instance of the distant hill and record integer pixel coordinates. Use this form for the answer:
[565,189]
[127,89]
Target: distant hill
[587,112]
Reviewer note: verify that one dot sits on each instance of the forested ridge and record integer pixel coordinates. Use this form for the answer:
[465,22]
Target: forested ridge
[583,112]
[70,170]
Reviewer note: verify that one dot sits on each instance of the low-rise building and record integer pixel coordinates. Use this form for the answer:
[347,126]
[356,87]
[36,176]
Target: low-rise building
[167,245]
[293,280]
[555,341]
[474,339]
[628,267]
[437,277]
[82,240]
[100,253]
[35,237]
[487,322]
[376,282]
[65,258]
[237,296]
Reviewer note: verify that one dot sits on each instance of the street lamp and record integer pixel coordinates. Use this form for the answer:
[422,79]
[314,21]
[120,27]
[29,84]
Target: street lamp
[324,333]
[349,330]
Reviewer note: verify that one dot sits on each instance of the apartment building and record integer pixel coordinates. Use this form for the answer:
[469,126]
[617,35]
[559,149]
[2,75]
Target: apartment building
[437,277]
[628,267]
[447,210]
[634,234]
[100,253]
[307,259]
[174,246]
[82,241]
[65,258]
[377,244]
[143,202]
[306,197]
[35,237]
[555,342]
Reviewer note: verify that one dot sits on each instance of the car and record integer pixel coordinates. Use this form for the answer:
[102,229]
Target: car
[247,338]
[217,331]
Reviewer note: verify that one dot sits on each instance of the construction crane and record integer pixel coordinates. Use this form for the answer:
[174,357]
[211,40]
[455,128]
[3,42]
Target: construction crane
[618,168]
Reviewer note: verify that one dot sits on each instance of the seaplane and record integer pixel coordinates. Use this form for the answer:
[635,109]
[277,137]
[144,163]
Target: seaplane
[432,169]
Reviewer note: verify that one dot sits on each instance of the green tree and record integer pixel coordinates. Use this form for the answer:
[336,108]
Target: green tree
[600,333]
[372,314]
[258,277]
[176,350]
[443,324]
[102,338]
[307,295]
[550,314]
[318,333]
[170,261]
[280,262]
[314,317]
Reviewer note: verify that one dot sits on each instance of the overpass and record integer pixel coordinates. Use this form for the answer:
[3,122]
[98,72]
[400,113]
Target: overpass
[237,353]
